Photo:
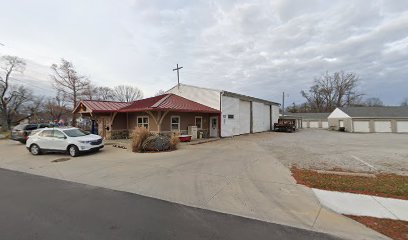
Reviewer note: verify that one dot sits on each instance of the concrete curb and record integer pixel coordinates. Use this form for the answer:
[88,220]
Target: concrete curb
[363,205]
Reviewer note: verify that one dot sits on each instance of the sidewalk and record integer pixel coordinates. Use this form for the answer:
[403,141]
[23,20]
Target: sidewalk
[363,205]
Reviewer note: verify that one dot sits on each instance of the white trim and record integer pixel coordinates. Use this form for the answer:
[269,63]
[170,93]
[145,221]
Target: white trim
[144,116]
[195,122]
[171,122]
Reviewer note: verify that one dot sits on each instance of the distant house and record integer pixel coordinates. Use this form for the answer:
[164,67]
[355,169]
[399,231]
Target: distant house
[312,120]
[240,114]
[370,119]
[164,114]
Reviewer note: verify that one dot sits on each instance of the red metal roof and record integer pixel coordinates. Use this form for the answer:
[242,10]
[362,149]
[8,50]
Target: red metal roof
[104,106]
[168,102]
[165,102]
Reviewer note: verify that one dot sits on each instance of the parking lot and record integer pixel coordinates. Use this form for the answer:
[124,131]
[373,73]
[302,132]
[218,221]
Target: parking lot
[323,149]
[244,175]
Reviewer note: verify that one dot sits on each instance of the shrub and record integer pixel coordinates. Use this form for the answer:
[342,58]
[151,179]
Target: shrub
[120,134]
[174,141]
[156,143]
[140,134]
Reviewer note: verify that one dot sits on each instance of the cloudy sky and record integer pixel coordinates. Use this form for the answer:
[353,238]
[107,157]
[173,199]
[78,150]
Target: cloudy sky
[259,48]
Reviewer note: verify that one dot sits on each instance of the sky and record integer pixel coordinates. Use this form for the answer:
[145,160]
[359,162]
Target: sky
[258,48]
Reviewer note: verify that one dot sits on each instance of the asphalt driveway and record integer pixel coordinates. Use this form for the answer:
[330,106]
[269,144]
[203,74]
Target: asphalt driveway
[239,176]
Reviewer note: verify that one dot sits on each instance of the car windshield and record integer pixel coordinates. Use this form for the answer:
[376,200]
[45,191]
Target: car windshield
[75,133]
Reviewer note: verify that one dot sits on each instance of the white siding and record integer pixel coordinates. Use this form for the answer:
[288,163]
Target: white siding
[337,113]
[275,114]
[361,126]
[208,97]
[258,116]
[314,124]
[382,126]
[325,124]
[244,117]
[229,106]
[402,126]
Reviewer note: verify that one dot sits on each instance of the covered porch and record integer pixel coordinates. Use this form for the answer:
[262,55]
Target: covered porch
[165,114]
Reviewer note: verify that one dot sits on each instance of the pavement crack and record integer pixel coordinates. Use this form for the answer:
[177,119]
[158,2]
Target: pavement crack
[225,185]
[317,216]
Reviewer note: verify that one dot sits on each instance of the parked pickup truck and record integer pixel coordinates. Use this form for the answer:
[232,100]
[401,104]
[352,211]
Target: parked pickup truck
[285,125]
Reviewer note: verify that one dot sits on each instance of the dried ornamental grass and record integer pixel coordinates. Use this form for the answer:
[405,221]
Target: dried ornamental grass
[174,141]
[138,137]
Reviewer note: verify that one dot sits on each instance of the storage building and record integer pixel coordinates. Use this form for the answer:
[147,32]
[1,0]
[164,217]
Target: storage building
[370,119]
[313,120]
[240,114]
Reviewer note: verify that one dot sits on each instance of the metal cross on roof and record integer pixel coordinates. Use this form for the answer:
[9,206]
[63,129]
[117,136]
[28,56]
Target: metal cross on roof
[178,75]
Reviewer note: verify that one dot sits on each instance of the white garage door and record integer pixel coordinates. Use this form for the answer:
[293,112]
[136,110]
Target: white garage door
[314,124]
[325,124]
[258,116]
[361,126]
[244,117]
[402,126]
[267,118]
[382,126]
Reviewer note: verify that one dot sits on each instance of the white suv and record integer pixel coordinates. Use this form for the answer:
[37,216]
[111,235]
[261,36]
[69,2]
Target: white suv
[71,140]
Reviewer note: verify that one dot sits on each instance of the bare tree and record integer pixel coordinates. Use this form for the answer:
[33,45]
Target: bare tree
[104,94]
[89,92]
[404,103]
[160,92]
[56,107]
[331,91]
[11,99]
[373,102]
[126,93]
[69,83]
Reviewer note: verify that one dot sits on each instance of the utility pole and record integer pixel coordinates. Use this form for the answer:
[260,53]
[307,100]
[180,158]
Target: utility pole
[178,75]
[283,104]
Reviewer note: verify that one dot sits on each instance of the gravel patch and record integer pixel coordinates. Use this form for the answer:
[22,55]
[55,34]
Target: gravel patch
[331,150]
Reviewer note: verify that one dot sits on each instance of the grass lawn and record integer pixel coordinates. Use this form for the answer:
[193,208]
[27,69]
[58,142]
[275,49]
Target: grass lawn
[392,228]
[385,185]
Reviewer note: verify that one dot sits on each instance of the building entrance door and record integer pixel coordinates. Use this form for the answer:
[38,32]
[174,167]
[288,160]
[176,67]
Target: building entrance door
[213,126]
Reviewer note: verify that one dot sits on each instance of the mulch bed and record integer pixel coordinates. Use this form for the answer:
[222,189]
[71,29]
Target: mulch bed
[384,185]
[394,229]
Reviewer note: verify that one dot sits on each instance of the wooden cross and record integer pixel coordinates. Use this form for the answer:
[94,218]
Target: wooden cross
[178,75]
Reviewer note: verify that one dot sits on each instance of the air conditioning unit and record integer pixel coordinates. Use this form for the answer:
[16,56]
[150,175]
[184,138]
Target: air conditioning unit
[192,130]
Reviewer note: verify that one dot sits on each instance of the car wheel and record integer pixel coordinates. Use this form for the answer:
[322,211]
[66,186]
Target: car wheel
[73,151]
[35,149]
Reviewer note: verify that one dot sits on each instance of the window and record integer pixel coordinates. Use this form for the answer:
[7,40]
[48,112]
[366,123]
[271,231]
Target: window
[58,134]
[230,116]
[31,127]
[143,121]
[199,122]
[46,133]
[75,132]
[175,123]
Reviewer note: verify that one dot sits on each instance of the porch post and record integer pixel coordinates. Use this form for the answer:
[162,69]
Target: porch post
[127,121]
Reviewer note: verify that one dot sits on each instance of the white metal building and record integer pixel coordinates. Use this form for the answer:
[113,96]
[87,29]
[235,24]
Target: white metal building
[240,114]
[370,119]
[312,120]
